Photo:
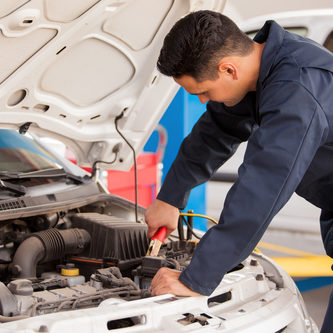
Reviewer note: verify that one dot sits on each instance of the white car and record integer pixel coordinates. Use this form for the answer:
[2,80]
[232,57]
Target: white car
[316,24]
[73,257]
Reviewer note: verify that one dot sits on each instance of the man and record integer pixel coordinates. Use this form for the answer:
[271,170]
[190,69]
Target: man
[275,92]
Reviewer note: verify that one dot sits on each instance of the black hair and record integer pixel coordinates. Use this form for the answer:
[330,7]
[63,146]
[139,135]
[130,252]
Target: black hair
[197,42]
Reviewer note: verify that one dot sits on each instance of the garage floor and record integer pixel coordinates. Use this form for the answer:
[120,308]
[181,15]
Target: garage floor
[316,301]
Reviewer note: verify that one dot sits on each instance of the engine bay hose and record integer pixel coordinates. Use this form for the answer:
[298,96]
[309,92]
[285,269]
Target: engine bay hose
[46,246]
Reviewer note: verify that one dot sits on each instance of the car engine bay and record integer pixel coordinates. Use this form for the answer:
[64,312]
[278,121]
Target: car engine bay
[87,266]
[73,260]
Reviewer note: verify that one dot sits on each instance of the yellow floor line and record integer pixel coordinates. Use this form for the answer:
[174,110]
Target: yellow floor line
[306,266]
[301,264]
[284,249]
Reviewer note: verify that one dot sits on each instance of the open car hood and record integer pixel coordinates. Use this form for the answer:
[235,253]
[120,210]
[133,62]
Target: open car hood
[69,68]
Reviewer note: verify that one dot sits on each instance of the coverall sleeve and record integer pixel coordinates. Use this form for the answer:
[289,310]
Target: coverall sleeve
[213,139]
[279,152]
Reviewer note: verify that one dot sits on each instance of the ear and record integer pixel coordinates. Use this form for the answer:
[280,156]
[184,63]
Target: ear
[229,69]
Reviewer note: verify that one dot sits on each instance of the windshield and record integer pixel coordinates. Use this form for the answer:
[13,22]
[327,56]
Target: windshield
[19,153]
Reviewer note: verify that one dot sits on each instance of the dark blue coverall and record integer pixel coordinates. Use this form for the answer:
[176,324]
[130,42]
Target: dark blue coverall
[288,123]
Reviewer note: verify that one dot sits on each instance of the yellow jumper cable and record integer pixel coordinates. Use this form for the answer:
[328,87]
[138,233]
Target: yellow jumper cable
[199,215]
[210,219]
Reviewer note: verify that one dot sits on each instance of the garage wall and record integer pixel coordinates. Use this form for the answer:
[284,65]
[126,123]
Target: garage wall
[239,10]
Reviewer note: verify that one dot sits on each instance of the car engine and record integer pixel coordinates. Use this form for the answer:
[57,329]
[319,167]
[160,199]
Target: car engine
[77,259]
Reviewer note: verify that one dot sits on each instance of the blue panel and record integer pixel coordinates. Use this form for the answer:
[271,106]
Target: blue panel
[313,283]
[178,120]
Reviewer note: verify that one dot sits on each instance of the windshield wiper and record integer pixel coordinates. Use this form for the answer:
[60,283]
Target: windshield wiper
[47,173]
[34,174]
[17,189]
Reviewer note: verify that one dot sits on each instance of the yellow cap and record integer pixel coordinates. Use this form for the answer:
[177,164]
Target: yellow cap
[70,271]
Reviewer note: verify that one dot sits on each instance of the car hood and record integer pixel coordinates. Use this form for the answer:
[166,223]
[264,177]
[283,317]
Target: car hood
[69,68]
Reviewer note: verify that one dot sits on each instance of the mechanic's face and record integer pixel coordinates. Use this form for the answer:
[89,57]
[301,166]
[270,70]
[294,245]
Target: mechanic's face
[227,88]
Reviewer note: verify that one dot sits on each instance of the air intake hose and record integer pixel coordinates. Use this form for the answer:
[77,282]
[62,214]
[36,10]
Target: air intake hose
[46,246]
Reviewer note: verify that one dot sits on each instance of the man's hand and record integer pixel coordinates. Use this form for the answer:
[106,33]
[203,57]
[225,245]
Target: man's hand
[166,282]
[161,214]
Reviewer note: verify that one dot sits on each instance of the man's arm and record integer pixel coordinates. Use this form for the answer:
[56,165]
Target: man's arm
[212,141]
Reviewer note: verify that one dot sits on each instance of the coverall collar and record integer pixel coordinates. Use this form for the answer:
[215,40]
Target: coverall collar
[273,35]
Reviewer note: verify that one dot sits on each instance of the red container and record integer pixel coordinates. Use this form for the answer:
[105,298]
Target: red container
[122,183]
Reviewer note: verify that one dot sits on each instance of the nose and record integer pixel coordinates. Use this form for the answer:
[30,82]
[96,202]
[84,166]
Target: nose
[203,99]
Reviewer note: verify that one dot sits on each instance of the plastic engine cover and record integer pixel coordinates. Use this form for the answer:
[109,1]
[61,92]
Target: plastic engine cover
[112,237]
